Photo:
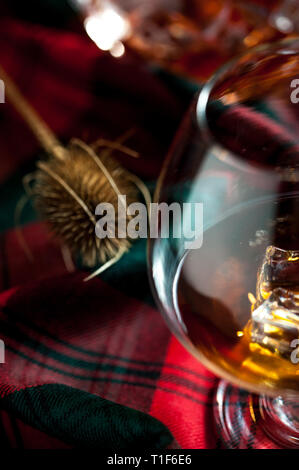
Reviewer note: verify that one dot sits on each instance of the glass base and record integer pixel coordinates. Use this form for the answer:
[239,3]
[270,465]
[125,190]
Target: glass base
[246,421]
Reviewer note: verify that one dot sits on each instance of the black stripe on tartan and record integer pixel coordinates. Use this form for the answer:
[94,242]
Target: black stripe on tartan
[253,425]
[104,379]
[15,334]
[16,431]
[4,441]
[234,438]
[9,312]
[3,260]
[176,380]
[237,422]
[251,439]
[220,442]
[212,380]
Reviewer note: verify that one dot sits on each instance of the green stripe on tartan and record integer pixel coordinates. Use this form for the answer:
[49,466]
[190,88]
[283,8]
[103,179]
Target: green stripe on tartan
[72,375]
[64,373]
[89,352]
[24,321]
[84,420]
[11,331]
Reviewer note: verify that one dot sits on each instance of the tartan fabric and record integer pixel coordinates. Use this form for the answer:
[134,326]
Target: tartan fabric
[71,345]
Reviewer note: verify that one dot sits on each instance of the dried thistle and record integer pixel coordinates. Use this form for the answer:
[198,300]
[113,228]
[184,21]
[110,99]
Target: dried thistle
[72,182]
[66,195]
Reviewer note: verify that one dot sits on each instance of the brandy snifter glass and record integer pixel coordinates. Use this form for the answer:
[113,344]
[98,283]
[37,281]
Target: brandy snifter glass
[234,302]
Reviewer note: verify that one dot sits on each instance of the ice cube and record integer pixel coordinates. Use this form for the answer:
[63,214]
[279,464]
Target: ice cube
[275,315]
[280,268]
[275,323]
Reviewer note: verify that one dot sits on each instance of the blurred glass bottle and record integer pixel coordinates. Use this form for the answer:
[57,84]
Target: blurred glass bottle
[190,37]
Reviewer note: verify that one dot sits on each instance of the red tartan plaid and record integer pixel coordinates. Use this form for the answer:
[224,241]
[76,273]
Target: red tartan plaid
[98,337]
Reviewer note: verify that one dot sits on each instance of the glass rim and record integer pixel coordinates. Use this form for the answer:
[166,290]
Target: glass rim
[205,93]
[202,97]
